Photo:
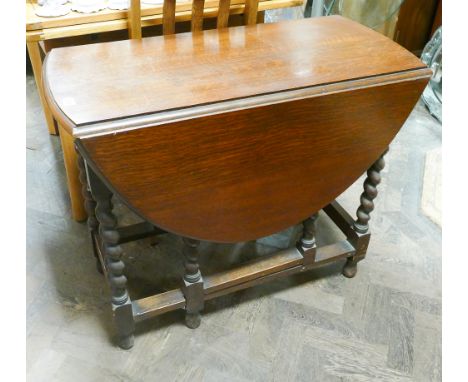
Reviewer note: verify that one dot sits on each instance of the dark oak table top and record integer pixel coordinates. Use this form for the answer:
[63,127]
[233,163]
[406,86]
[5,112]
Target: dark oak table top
[108,81]
[233,134]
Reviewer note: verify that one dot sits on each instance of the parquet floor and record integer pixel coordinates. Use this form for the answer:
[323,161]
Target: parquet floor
[383,325]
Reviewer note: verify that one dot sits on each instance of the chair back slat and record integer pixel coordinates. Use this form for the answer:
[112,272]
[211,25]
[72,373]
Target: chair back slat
[197,15]
[169,7]
[250,12]
[223,13]
[134,19]
[169,10]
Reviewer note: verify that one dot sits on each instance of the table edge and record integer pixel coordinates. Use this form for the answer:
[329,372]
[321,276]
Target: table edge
[121,125]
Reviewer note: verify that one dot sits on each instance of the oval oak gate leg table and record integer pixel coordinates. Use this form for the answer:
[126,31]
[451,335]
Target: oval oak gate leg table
[230,135]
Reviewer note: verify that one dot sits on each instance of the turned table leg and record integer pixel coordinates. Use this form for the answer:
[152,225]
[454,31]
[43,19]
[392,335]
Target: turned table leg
[112,253]
[192,284]
[361,224]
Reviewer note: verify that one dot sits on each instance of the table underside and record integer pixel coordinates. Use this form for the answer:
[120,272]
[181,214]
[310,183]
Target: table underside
[281,264]
[195,289]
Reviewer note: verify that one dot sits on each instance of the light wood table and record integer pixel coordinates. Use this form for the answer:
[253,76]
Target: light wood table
[260,127]
[42,29]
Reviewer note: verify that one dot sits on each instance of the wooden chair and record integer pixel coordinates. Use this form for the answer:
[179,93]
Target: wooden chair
[198,6]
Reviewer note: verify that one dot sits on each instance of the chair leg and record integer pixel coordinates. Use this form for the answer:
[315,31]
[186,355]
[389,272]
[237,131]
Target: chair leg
[361,224]
[192,284]
[73,177]
[36,63]
[112,252]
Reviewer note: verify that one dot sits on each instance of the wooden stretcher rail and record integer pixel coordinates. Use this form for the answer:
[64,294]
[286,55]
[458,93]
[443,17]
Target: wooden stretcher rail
[255,269]
[258,281]
[281,264]
[258,271]
[152,306]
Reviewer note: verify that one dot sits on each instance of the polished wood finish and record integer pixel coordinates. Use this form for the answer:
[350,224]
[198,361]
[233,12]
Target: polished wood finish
[76,25]
[233,175]
[212,65]
[240,170]
[84,26]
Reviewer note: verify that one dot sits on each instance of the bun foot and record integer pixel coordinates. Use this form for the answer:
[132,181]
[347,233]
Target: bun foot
[350,269]
[126,342]
[192,320]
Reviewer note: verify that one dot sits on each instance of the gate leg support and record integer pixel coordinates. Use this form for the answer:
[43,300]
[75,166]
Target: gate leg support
[192,284]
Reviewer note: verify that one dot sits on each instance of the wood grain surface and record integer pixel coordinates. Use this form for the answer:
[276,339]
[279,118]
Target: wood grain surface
[242,175]
[331,95]
[108,81]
